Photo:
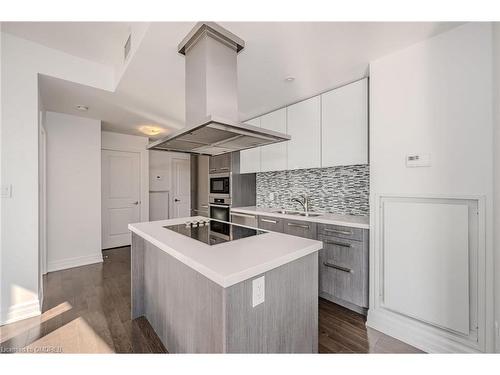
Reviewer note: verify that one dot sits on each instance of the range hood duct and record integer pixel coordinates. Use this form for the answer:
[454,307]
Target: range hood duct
[212,125]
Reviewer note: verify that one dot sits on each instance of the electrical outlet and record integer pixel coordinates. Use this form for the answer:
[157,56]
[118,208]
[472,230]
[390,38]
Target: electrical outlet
[258,291]
[271,196]
[497,329]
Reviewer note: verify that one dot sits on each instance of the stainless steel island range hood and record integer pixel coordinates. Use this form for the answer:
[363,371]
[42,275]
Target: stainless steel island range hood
[212,125]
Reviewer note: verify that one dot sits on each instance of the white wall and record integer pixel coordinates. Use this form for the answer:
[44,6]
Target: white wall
[22,61]
[496,164]
[73,191]
[434,97]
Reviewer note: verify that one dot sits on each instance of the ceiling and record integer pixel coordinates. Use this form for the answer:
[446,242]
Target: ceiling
[101,42]
[319,55]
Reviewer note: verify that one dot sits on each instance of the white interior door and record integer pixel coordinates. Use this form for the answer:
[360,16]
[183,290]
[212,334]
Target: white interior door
[120,196]
[181,187]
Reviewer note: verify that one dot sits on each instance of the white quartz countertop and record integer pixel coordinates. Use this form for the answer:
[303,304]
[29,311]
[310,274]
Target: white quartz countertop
[230,262]
[353,221]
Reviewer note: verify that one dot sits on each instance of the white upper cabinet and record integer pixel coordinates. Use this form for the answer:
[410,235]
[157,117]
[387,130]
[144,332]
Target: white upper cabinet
[344,112]
[273,157]
[250,159]
[304,126]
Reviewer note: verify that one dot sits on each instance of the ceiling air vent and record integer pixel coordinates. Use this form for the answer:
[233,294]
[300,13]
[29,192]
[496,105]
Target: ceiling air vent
[126,48]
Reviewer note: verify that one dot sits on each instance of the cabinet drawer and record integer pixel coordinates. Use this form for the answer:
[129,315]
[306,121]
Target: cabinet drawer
[343,270]
[300,228]
[340,231]
[344,253]
[273,224]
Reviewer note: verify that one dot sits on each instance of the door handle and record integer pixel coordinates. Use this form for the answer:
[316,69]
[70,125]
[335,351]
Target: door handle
[298,225]
[176,200]
[136,203]
[337,267]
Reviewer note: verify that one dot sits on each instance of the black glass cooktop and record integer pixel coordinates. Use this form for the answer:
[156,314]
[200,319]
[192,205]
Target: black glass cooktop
[213,232]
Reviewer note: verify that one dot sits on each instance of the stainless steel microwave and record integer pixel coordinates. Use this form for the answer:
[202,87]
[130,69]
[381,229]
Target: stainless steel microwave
[220,184]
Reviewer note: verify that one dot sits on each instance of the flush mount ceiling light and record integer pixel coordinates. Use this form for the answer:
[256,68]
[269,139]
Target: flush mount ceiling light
[150,129]
[289,79]
[82,108]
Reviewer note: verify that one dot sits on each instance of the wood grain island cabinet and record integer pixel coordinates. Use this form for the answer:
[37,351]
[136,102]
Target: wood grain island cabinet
[208,304]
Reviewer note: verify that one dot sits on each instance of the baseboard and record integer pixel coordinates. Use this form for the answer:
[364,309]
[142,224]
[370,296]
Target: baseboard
[347,305]
[20,311]
[412,333]
[73,262]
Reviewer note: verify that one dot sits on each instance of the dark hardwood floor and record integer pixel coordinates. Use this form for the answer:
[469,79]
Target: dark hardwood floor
[87,310]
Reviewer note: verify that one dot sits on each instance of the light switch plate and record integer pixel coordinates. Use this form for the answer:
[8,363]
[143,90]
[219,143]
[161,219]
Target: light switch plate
[6,191]
[258,291]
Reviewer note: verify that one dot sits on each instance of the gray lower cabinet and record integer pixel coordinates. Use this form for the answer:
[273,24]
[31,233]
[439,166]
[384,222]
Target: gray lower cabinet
[273,224]
[300,228]
[343,261]
[343,275]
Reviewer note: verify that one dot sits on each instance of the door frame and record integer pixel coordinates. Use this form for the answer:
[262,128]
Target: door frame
[179,156]
[144,173]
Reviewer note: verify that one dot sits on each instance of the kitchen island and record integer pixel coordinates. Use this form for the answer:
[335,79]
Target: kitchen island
[223,288]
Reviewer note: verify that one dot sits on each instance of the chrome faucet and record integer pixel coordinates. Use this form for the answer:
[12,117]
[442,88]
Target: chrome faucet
[304,203]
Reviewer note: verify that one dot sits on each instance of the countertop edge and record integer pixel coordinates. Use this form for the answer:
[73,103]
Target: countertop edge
[319,219]
[233,279]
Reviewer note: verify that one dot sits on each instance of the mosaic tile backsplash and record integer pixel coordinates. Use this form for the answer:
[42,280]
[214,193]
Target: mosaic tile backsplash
[340,190]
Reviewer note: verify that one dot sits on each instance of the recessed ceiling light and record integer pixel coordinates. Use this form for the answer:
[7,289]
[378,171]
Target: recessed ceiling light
[150,129]
[82,108]
[290,79]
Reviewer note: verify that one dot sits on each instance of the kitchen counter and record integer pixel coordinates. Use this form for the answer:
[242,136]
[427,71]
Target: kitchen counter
[353,221]
[256,294]
[230,262]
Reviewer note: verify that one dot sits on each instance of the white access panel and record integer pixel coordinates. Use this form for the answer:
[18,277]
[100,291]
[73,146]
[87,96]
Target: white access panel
[426,261]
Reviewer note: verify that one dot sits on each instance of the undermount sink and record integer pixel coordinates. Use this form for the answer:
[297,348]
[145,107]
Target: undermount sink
[309,214]
[286,212]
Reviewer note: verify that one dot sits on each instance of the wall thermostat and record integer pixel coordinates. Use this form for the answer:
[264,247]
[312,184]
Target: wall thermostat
[418,160]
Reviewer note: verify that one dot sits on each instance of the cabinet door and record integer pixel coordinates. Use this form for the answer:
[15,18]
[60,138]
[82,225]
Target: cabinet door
[273,157]
[304,149]
[344,122]
[250,159]
[342,270]
[213,164]
[220,163]
[274,224]
[225,162]
[298,228]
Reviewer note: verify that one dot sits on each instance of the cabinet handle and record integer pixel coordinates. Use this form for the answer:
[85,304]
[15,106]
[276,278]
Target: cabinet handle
[347,232]
[242,215]
[298,225]
[343,244]
[224,169]
[204,206]
[269,221]
[340,268]
[213,169]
